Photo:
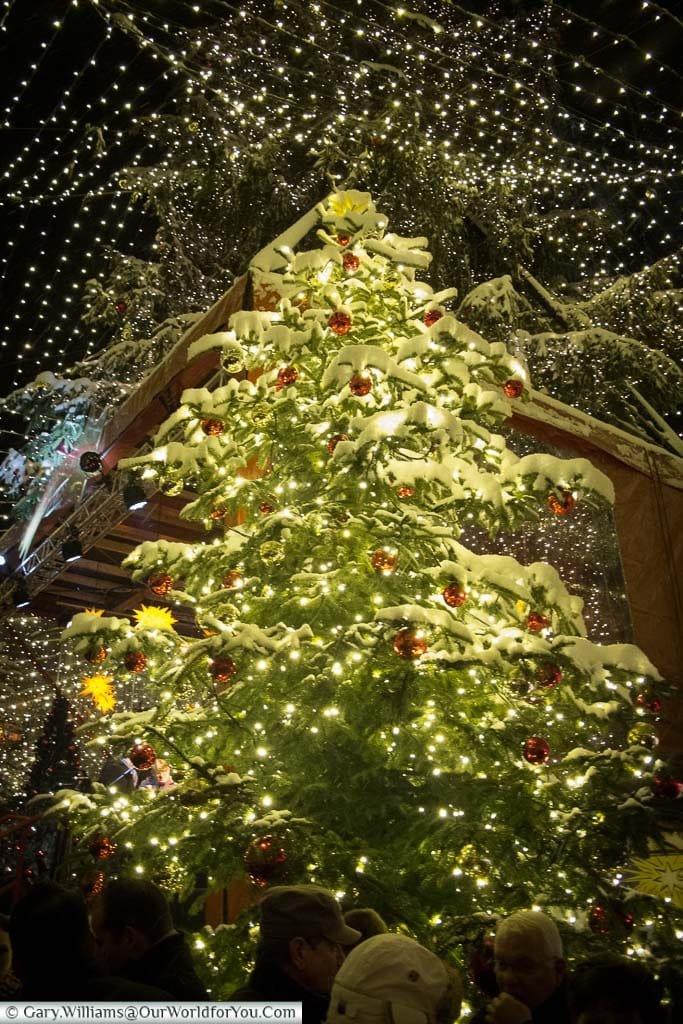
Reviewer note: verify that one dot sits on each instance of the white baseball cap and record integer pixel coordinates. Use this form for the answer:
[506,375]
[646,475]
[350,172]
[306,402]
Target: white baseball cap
[388,978]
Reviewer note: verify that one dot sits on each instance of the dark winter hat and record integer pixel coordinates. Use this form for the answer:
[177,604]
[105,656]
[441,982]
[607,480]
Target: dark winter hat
[288,911]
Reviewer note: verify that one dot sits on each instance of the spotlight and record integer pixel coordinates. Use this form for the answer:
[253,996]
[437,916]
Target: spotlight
[21,595]
[71,549]
[134,496]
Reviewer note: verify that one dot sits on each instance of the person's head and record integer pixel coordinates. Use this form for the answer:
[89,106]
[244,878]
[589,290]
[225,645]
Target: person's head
[528,957]
[391,979]
[609,989]
[5,947]
[128,917]
[49,932]
[162,770]
[365,920]
[303,931]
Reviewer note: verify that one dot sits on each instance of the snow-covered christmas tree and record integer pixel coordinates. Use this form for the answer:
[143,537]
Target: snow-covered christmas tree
[368,703]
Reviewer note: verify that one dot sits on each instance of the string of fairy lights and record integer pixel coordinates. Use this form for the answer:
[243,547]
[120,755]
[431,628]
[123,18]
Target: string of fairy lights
[281,100]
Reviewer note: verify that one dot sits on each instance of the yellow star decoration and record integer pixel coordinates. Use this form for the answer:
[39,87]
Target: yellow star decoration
[352,201]
[150,616]
[93,611]
[658,876]
[99,689]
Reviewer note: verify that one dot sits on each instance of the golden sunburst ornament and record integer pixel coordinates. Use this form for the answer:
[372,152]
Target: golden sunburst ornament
[98,687]
[658,876]
[150,616]
[351,201]
[98,612]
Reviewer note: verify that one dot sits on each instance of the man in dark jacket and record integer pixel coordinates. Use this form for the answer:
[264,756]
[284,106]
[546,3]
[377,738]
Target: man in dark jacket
[301,948]
[530,971]
[53,956]
[135,937]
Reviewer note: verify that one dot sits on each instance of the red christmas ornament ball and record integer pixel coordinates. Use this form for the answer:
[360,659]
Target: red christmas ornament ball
[212,427]
[536,622]
[218,513]
[160,583]
[649,702]
[384,561]
[359,385]
[262,859]
[665,787]
[350,261]
[454,595]
[233,580]
[405,491]
[143,756]
[287,376]
[135,661]
[561,506]
[90,462]
[599,920]
[334,441]
[431,317]
[343,239]
[265,508]
[340,323]
[96,655]
[409,645]
[513,388]
[121,306]
[536,750]
[101,847]
[223,669]
[548,676]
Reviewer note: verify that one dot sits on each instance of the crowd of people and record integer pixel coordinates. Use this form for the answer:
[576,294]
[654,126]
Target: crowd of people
[343,968]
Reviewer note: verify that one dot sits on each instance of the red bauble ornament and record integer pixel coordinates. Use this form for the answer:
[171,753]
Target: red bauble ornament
[287,376]
[223,669]
[143,756]
[212,427]
[340,323]
[599,920]
[343,239]
[536,750]
[101,847]
[454,595]
[233,580]
[405,492]
[536,622]
[431,317]
[121,306]
[334,441]
[384,561]
[265,508]
[513,388]
[350,261]
[135,661]
[160,583]
[409,645]
[649,702]
[218,513]
[359,385]
[561,506]
[90,462]
[263,857]
[96,655]
[548,676]
[93,886]
[665,787]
